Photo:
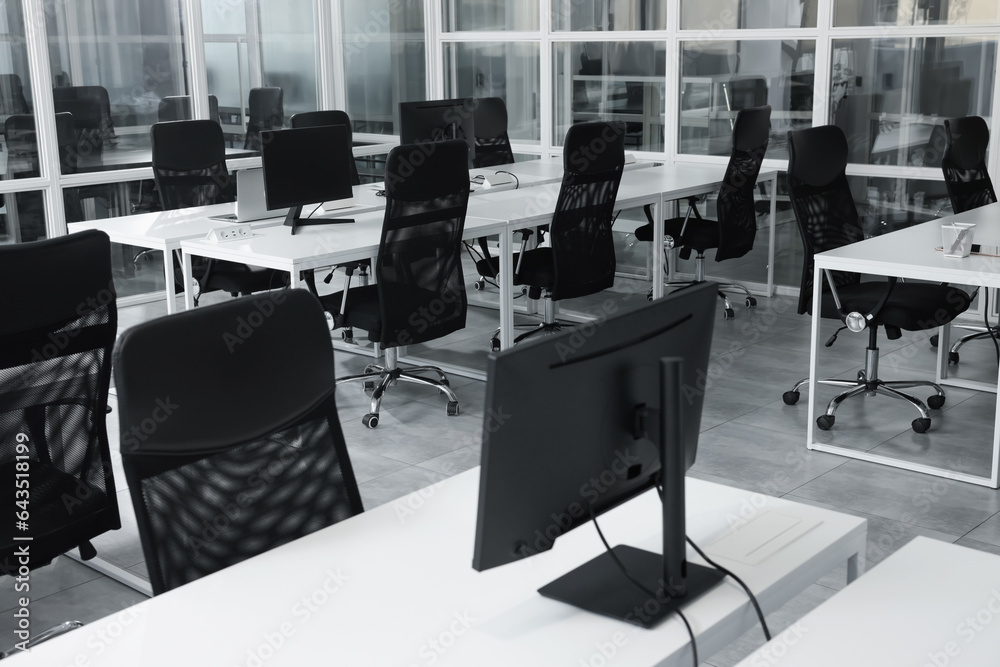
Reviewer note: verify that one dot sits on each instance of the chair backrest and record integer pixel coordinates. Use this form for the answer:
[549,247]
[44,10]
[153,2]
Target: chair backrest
[735,205]
[492,143]
[220,469]
[99,95]
[964,163]
[174,107]
[56,337]
[821,200]
[22,145]
[12,99]
[746,92]
[324,118]
[189,164]
[267,112]
[419,265]
[583,251]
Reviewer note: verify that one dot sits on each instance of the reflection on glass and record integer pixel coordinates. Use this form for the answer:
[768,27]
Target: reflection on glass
[288,51]
[888,204]
[384,61]
[223,17]
[490,15]
[23,217]
[915,12]
[713,15]
[509,70]
[113,61]
[621,81]
[720,78]
[609,15]
[891,96]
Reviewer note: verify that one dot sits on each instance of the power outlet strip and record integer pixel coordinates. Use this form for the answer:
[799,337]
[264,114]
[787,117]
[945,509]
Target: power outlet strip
[629,158]
[496,180]
[230,233]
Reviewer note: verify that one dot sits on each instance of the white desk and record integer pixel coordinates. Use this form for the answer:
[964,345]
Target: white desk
[912,253]
[930,603]
[395,586]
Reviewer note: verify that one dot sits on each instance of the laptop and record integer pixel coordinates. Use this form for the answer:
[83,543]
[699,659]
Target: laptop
[250,204]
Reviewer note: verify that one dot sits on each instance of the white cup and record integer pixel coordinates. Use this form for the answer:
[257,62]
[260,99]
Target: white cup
[956,239]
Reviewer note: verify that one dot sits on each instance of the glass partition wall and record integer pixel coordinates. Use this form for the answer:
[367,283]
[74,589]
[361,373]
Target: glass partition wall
[887,73]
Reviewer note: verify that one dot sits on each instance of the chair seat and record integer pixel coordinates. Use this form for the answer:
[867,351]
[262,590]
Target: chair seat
[537,269]
[363,308]
[700,235]
[234,277]
[912,307]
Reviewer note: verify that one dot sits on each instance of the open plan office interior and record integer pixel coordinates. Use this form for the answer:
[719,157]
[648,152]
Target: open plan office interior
[482,332]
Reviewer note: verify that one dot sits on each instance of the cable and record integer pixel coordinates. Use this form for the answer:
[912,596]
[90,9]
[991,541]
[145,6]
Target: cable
[478,180]
[312,212]
[753,599]
[641,586]
[517,181]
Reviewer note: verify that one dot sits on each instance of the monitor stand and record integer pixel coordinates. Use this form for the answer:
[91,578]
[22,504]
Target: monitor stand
[599,585]
[294,220]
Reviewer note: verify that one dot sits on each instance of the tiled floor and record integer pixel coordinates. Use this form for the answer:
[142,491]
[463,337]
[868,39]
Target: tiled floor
[750,439]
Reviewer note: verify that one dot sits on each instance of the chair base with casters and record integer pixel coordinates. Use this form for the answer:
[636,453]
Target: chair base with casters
[390,374]
[868,383]
[547,325]
[979,333]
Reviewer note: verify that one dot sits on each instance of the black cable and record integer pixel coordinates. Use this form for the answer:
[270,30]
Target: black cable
[517,181]
[313,212]
[638,584]
[478,180]
[753,598]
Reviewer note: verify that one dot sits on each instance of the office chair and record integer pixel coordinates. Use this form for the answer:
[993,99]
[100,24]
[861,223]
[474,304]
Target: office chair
[232,466]
[189,168]
[827,218]
[581,259]
[178,107]
[734,232]
[267,112]
[56,337]
[22,160]
[329,117]
[100,120]
[419,293]
[969,186]
[12,100]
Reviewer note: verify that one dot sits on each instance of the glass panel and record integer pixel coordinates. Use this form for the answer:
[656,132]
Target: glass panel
[720,78]
[288,52]
[113,61]
[19,151]
[611,81]
[915,12]
[490,15]
[713,15]
[509,70]
[609,15]
[223,17]
[229,81]
[891,96]
[22,217]
[384,61]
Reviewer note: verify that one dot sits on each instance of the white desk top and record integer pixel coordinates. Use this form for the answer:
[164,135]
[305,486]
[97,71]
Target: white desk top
[913,253]
[395,586]
[930,603]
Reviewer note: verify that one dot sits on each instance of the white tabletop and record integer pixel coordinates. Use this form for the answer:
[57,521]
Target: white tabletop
[930,603]
[395,586]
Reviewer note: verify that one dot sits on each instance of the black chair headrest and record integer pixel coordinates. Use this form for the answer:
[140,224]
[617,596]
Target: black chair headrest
[752,128]
[967,141]
[594,148]
[826,140]
[424,171]
[490,117]
[187,145]
[320,119]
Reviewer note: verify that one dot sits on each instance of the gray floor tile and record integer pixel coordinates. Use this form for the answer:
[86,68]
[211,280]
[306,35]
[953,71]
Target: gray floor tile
[988,531]
[61,575]
[979,546]
[455,462]
[121,547]
[414,432]
[369,465]
[390,487]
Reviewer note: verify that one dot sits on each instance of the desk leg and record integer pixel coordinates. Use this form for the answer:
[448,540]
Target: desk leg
[770,240]
[171,286]
[658,251]
[853,569]
[814,352]
[294,281]
[944,344]
[995,468]
[506,289]
[188,281]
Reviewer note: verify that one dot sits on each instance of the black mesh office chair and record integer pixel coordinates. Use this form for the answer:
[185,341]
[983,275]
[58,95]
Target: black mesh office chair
[419,293]
[267,112]
[827,218]
[189,168]
[328,117]
[734,232]
[12,100]
[97,122]
[178,107]
[230,470]
[23,162]
[969,186]
[56,337]
[581,259]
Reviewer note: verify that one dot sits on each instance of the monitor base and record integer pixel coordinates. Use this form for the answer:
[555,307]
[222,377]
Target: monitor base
[600,587]
[294,220]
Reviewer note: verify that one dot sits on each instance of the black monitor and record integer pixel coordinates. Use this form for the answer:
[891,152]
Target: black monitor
[306,166]
[438,120]
[580,422]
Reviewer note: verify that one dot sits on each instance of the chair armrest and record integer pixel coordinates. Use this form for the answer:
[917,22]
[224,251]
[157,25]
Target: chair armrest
[869,316]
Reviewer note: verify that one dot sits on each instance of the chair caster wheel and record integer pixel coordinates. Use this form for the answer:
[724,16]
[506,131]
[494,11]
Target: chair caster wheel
[952,357]
[649,294]
[728,314]
[494,345]
[934,340]
[347,336]
[751,302]
[370,420]
[479,285]
[935,402]
[825,422]
[920,425]
[790,397]
[452,408]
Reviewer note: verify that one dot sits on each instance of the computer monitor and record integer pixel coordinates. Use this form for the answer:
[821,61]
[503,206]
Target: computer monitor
[580,422]
[438,120]
[306,166]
